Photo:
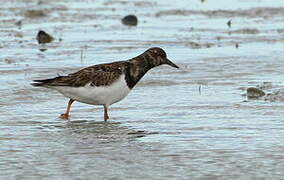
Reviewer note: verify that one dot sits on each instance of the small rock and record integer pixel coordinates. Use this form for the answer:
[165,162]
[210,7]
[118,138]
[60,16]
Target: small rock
[229,23]
[254,93]
[19,23]
[43,37]
[265,85]
[130,20]
[40,2]
[246,31]
[194,45]
[275,96]
[42,49]
[280,31]
[208,45]
[18,34]
[35,13]
[9,61]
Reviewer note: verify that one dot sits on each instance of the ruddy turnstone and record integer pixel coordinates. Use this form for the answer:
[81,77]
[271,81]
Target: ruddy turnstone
[105,84]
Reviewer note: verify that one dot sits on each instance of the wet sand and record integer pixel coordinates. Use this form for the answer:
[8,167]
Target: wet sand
[192,123]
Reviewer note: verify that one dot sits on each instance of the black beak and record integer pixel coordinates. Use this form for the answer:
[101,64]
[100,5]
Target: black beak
[171,63]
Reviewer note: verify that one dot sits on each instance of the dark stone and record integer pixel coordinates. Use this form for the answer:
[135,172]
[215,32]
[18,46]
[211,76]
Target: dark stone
[229,23]
[42,37]
[35,14]
[254,93]
[130,20]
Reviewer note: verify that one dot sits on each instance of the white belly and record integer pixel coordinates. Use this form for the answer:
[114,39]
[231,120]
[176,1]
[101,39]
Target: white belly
[103,95]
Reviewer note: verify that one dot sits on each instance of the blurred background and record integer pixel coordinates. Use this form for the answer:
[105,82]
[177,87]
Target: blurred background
[220,116]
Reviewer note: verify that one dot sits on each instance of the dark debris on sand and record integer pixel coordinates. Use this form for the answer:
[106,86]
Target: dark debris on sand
[254,93]
[35,14]
[43,37]
[130,20]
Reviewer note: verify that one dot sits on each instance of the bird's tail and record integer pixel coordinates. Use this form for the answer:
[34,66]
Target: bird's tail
[45,82]
[38,83]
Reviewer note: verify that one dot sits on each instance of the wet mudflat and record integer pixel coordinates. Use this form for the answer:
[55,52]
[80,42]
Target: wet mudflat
[193,122]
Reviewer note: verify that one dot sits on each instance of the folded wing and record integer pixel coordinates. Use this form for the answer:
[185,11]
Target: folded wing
[98,75]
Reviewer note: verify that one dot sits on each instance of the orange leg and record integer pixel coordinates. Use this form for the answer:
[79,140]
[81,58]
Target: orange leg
[66,114]
[106,117]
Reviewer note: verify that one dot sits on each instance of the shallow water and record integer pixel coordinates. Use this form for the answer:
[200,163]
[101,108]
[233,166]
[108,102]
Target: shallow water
[191,123]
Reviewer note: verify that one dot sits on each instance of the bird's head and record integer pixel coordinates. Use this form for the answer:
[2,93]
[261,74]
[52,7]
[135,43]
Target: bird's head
[157,56]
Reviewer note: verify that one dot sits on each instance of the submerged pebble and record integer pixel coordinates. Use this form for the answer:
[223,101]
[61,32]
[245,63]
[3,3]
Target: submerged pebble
[130,20]
[18,34]
[9,61]
[229,23]
[280,30]
[43,37]
[246,31]
[195,45]
[19,23]
[254,93]
[258,93]
[35,13]
[265,85]
[275,96]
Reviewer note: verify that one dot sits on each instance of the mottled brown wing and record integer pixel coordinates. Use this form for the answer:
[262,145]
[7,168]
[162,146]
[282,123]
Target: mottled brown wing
[98,75]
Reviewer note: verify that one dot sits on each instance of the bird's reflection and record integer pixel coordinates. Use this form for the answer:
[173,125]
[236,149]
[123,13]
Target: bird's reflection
[103,131]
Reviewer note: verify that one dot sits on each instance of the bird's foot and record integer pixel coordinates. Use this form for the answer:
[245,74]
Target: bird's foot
[106,118]
[64,116]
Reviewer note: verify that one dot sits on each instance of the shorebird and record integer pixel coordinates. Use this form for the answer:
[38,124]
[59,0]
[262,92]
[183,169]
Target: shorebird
[105,84]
